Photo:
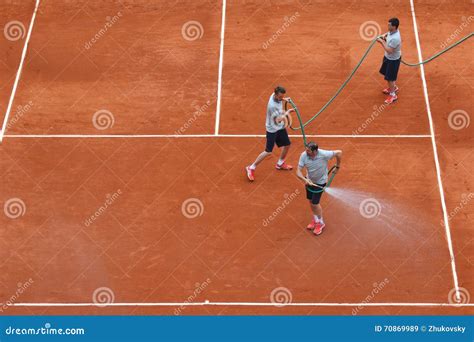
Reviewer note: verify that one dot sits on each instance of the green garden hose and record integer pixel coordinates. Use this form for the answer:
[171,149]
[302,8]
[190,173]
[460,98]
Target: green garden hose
[344,84]
[302,125]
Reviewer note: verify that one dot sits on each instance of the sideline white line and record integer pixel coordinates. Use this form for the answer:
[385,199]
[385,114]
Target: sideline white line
[221,64]
[435,153]
[18,73]
[207,303]
[97,136]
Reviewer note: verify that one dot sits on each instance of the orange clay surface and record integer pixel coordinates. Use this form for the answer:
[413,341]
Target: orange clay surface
[142,247]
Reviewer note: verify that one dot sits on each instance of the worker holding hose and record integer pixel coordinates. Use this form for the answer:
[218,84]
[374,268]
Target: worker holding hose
[391,43]
[276,133]
[315,160]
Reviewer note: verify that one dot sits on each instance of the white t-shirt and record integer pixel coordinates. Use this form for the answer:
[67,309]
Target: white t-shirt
[317,167]
[394,40]
[274,109]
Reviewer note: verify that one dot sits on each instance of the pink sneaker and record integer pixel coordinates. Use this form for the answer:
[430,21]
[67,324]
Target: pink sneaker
[319,228]
[391,99]
[312,225]
[250,173]
[284,166]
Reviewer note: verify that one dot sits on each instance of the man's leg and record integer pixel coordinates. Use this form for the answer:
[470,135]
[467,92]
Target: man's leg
[309,197]
[270,143]
[259,159]
[392,86]
[312,225]
[318,217]
[250,170]
[392,92]
[317,212]
[391,77]
[283,140]
[284,152]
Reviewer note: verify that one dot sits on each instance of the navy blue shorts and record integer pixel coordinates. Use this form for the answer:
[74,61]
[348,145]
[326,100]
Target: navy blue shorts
[280,138]
[314,197]
[390,68]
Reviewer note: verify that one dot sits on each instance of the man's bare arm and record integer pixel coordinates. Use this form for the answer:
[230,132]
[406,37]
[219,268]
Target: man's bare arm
[338,156]
[299,174]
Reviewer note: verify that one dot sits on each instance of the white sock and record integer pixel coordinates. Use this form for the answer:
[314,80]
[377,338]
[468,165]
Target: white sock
[316,218]
[321,220]
[280,162]
[252,167]
[392,93]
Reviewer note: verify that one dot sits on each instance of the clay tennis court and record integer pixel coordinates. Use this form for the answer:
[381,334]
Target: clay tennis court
[138,114]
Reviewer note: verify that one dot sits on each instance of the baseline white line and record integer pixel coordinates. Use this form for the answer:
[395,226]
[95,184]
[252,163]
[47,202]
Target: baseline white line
[18,73]
[207,303]
[97,136]
[221,64]
[435,153]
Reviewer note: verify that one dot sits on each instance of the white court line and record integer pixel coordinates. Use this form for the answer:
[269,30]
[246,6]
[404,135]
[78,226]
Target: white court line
[98,136]
[221,64]
[207,303]
[435,153]
[18,73]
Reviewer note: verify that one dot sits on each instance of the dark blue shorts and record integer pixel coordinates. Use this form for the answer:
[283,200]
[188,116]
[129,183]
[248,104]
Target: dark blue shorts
[390,68]
[314,197]
[280,138]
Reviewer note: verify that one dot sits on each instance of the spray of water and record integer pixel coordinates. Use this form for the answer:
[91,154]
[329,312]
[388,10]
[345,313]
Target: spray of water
[375,207]
[349,197]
